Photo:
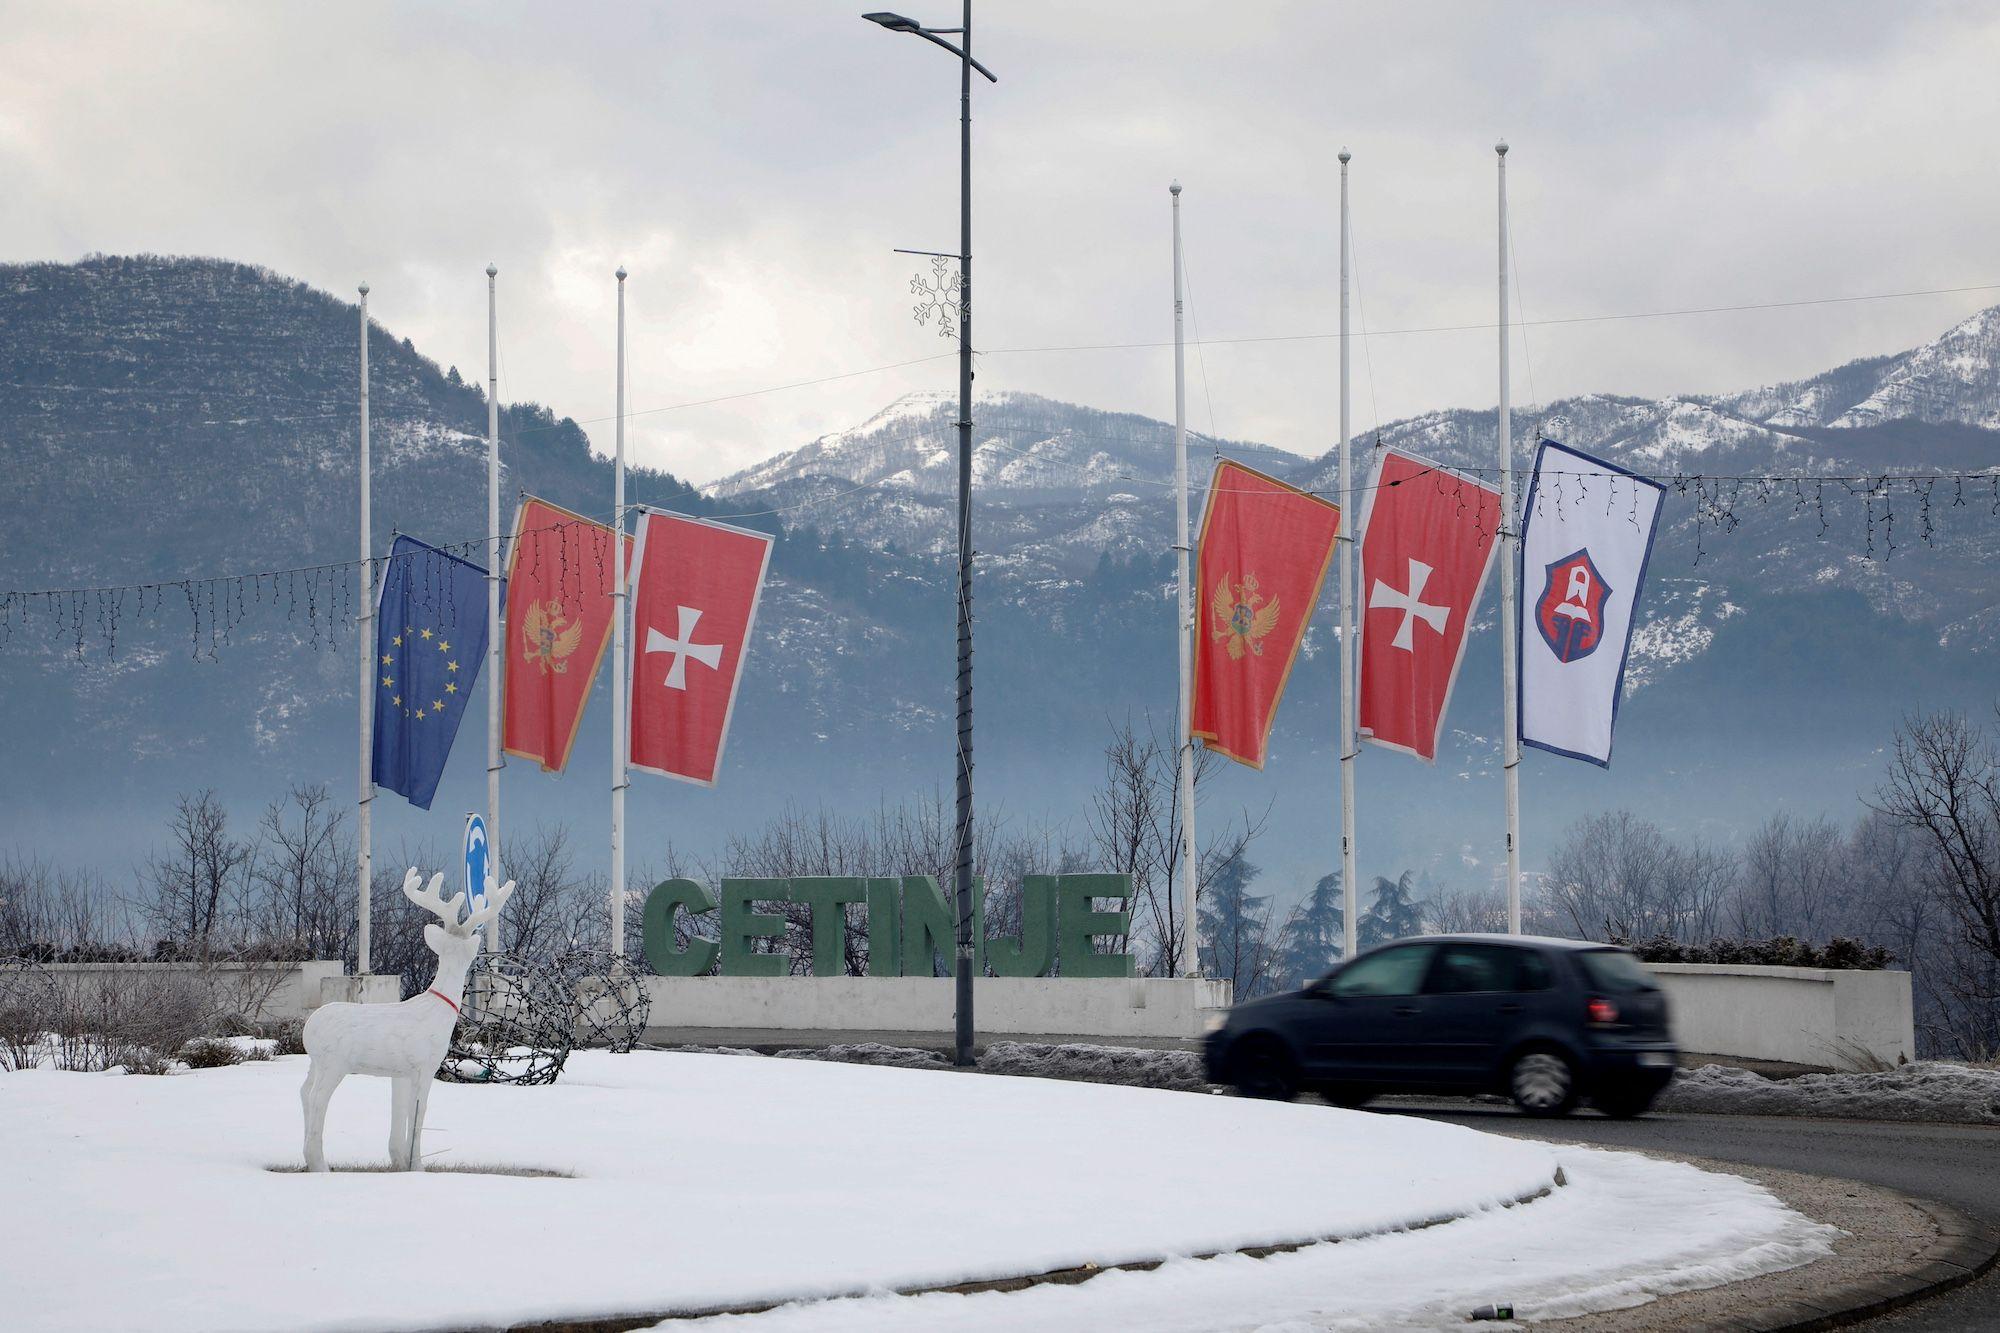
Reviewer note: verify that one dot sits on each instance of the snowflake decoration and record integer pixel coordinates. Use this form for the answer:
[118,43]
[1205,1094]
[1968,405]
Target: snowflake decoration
[942,294]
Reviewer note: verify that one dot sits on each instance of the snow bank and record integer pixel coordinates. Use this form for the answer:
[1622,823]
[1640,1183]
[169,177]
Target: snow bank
[1926,1090]
[1624,1230]
[696,1182]
[1180,1071]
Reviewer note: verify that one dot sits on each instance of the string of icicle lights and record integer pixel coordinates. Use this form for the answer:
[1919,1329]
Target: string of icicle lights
[320,600]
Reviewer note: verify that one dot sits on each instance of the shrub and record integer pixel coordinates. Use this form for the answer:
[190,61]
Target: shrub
[141,1060]
[1839,953]
[290,1034]
[210,1053]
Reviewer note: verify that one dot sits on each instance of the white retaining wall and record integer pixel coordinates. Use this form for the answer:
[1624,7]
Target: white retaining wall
[1804,1015]
[271,991]
[1038,1006]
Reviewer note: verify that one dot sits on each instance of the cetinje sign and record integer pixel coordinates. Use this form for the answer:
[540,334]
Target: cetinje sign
[909,923]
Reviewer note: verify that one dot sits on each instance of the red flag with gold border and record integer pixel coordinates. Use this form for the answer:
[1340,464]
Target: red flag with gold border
[559,610]
[1263,555]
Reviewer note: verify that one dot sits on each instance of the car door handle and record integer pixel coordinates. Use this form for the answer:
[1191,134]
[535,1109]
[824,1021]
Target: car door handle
[1406,1011]
[1510,1008]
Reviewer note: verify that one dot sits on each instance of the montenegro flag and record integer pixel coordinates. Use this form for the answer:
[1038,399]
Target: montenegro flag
[559,611]
[1263,554]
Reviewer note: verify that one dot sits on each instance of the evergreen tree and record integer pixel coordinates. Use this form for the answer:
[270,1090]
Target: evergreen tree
[1314,939]
[1235,927]
[1393,915]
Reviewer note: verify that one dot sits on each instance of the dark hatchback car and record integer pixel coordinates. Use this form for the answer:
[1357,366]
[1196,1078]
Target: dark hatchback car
[1546,1022]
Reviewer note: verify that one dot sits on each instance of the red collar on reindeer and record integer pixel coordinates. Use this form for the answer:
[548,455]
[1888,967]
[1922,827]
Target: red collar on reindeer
[447,999]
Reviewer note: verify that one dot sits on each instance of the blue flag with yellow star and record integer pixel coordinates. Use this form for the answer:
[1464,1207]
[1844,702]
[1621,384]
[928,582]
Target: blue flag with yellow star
[430,637]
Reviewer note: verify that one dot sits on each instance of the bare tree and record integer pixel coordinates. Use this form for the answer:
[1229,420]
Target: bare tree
[304,874]
[199,877]
[1135,829]
[1793,879]
[1943,785]
[1617,876]
[1461,909]
[50,914]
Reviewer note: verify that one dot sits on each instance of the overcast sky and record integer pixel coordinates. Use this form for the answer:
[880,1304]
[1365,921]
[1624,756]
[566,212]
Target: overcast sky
[754,162]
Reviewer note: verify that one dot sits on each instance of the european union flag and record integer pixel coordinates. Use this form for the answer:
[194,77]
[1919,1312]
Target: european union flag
[430,637]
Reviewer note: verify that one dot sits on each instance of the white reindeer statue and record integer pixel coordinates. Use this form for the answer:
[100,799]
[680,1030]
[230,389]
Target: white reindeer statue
[405,1042]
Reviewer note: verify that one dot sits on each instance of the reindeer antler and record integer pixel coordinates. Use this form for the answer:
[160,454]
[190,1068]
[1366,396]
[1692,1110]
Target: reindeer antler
[433,900]
[489,906]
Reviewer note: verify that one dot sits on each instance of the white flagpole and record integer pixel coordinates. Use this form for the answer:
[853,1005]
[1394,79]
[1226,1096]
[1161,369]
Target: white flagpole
[1184,626]
[1510,541]
[618,738]
[494,627]
[364,841]
[1350,889]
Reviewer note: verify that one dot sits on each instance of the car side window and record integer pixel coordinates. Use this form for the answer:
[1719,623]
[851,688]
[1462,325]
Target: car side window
[1397,971]
[1533,972]
[1463,969]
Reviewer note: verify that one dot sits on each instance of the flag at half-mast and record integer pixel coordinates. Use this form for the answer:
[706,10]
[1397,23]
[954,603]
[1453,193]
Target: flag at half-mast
[1263,554]
[1586,536]
[430,637]
[694,600]
[1428,538]
[559,615]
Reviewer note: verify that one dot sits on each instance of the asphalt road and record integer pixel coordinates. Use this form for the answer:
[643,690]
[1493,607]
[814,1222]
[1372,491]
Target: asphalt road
[1955,1164]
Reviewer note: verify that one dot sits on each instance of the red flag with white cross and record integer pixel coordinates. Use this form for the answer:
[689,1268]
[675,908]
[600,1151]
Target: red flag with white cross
[1427,545]
[694,601]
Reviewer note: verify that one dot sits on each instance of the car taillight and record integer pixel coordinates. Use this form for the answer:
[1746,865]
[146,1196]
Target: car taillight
[1600,1012]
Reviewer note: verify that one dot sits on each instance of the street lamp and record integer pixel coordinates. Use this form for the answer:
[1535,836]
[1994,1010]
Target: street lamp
[963,50]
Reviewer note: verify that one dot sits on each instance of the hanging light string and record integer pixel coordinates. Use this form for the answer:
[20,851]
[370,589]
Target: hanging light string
[218,604]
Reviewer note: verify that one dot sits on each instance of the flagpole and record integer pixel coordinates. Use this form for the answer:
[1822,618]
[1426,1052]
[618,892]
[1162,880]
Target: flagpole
[364,841]
[1510,542]
[1349,883]
[1184,626]
[618,740]
[494,629]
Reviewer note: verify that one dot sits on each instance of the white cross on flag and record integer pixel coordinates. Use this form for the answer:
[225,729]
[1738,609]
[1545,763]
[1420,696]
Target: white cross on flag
[1427,544]
[694,600]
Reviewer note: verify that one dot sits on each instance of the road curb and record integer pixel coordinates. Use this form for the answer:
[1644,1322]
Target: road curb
[1965,1249]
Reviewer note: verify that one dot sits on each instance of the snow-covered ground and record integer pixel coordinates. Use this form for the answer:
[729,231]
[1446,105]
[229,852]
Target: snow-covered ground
[1624,1230]
[698,1181]
[1927,1090]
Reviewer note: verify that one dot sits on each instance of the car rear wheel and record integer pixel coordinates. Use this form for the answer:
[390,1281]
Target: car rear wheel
[1542,1083]
[1261,1067]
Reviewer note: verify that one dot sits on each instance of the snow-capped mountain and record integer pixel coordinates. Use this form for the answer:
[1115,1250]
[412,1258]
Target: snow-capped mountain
[1949,379]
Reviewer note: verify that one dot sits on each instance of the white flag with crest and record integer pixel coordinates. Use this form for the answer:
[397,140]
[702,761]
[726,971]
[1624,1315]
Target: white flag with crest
[1586,535]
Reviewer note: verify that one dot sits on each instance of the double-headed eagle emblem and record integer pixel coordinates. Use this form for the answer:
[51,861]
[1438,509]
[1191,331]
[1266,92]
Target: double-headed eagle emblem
[1241,617]
[550,636]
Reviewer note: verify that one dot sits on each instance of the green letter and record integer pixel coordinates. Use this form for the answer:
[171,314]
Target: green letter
[885,934]
[661,953]
[1035,953]
[740,926]
[1081,923]
[926,926]
[828,896]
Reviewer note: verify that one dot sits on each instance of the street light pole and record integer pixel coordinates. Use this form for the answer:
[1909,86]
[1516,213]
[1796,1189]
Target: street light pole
[962,971]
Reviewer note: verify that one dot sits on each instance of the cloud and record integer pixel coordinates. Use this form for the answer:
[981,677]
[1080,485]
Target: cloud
[753,166]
